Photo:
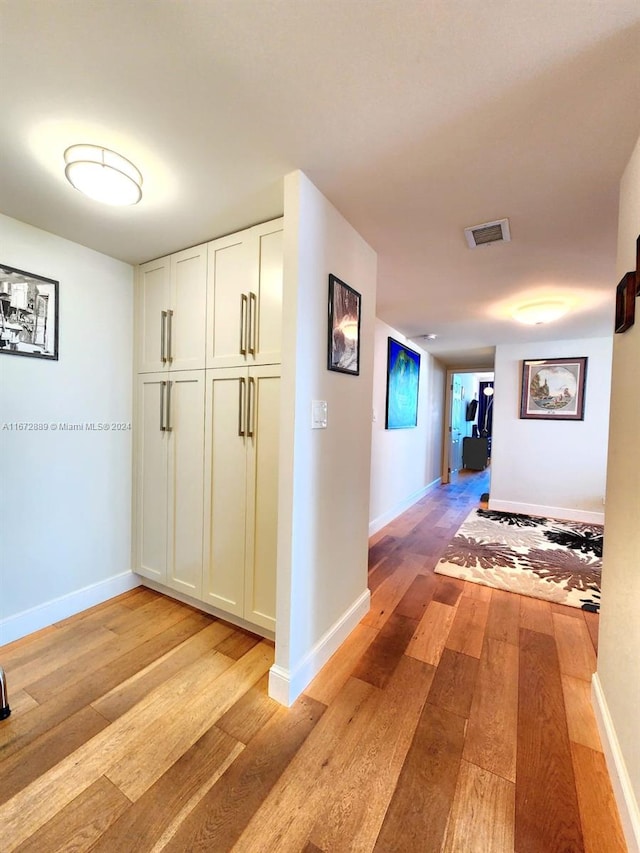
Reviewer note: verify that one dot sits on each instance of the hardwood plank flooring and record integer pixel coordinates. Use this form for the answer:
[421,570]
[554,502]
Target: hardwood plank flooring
[454,683]
[431,634]
[81,823]
[353,816]
[43,753]
[493,725]
[544,753]
[455,719]
[482,813]
[467,632]
[595,800]
[423,797]
[223,814]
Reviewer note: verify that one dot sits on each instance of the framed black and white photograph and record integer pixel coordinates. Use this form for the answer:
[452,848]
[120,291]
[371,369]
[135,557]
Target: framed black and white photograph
[28,314]
[553,389]
[344,328]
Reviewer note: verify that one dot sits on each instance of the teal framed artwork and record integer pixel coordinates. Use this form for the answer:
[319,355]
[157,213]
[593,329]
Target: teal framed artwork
[403,378]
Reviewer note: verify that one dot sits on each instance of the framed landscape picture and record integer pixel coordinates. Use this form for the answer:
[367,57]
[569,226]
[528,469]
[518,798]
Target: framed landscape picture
[343,351]
[28,314]
[403,379]
[553,389]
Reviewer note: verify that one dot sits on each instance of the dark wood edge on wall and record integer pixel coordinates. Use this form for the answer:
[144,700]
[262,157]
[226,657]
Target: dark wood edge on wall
[626,302]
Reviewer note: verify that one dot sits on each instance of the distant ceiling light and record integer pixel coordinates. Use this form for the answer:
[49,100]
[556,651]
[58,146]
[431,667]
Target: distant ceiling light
[430,337]
[488,392]
[489,232]
[537,313]
[103,175]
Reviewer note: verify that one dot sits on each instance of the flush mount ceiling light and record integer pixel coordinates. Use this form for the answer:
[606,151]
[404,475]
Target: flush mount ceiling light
[537,313]
[103,175]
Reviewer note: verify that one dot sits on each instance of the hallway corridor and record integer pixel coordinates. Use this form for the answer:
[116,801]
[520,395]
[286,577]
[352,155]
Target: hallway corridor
[455,718]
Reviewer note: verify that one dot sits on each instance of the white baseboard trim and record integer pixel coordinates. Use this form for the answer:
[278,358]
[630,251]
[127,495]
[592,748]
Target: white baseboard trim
[622,790]
[561,512]
[285,686]
[387,517]
[17,626]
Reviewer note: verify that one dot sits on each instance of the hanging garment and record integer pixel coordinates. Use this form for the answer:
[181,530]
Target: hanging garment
[472,408]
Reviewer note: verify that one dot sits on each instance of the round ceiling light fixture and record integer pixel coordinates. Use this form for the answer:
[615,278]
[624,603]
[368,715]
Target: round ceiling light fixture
[103,175]
[537,313]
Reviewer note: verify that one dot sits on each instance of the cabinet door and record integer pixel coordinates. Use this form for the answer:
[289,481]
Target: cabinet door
[265,302]
[185,424]
[225,489]
[151,478]
[228,286]
[152,304]
[262,495]
[187,320]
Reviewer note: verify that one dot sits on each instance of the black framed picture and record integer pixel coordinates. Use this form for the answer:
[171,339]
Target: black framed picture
[28,314]
[626,303]
[403,379]
[553,389]
[343,350]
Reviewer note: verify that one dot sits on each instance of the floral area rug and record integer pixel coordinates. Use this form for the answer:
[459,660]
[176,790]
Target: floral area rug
[559,561]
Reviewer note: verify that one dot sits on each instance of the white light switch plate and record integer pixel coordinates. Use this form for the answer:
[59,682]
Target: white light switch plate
[318,414]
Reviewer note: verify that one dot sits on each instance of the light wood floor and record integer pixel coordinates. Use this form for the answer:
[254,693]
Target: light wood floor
[455,718]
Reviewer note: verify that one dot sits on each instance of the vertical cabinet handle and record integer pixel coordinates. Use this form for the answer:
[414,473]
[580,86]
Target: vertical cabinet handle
[163,386]
[243,324]
[169,336]
[251,408]
[253,311]
[241,407]
[163,337]
[168,426]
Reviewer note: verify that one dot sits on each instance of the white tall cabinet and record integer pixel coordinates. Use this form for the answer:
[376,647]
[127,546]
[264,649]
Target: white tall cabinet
[170,435]
[171,312]
[241,491]
[207,422]
[244,297]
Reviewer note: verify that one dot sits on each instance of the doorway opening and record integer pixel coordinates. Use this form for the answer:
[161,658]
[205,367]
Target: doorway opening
[469,422]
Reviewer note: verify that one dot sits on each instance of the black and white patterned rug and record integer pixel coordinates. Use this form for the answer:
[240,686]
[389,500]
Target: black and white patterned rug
[559,561]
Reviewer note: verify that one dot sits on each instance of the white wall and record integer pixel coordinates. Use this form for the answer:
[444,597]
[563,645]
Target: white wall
[324,474]
[404,462]
[617,683]
[554,468]
[66,495]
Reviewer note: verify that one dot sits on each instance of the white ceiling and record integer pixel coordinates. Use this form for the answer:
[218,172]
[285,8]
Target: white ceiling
[416,118]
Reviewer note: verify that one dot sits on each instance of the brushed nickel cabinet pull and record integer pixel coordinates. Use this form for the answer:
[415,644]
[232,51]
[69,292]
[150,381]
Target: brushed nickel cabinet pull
[168,427]
[251,408]
[243,324]
[163,337]
[253,322]
[170,336]
[163,386]
[241,406]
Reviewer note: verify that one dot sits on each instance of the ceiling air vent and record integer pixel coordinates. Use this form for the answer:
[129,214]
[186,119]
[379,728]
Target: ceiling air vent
[488,232]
